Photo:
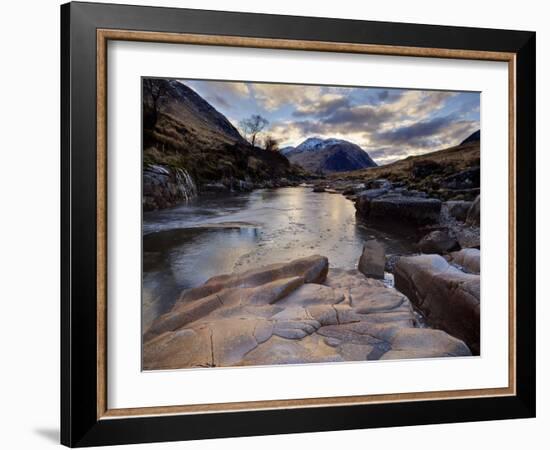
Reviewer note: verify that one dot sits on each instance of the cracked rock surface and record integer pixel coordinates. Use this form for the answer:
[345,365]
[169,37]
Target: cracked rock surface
[299,312]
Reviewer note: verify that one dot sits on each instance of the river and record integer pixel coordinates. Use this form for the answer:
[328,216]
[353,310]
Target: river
[222,233]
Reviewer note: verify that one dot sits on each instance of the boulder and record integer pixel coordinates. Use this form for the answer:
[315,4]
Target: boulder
[414,209]
[291,313]
[372,260]
[362,203]
[458,209]
[437,241]
[448,297]
[473,216]
[468,259]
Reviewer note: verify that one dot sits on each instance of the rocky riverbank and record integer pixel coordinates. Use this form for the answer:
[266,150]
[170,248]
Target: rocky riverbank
[190,147]
[405,305]
[445,225]
[165,186]
[443,280]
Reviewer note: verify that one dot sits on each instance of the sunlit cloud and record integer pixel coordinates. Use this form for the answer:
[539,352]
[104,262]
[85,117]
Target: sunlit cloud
[389,124]
[273,96]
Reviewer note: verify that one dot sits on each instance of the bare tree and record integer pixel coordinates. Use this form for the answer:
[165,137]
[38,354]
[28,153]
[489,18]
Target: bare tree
[156,92]
[271,144]
[252,126]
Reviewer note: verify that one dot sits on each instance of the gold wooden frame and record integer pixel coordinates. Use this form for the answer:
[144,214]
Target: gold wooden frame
[103,36]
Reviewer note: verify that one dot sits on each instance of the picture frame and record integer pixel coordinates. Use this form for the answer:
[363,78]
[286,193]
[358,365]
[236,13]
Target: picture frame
[86,418]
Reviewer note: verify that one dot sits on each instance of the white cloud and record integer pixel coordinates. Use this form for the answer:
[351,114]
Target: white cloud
[273,96]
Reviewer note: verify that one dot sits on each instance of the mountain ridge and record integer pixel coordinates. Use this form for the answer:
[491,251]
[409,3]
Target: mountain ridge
[329,155]
[474,137]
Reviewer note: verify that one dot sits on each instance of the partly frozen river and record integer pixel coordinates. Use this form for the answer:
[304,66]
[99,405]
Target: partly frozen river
[224,233]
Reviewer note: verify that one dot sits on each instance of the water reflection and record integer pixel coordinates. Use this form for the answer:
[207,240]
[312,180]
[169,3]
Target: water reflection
[186,245]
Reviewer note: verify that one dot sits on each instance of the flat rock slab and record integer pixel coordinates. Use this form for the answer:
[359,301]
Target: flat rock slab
[448,297]
[295,313]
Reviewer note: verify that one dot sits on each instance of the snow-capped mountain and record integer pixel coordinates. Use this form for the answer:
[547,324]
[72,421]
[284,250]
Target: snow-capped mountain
[328,155]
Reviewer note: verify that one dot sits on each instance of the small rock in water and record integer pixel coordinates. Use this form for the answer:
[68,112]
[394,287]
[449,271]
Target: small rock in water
[373,260]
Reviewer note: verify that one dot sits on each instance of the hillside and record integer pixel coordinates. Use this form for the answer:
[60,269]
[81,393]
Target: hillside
[474,137]
[452,173]
[322,156]
[182,131]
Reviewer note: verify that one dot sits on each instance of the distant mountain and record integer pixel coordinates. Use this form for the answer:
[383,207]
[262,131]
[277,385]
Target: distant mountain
[474,137]
[328,155]
[183,131]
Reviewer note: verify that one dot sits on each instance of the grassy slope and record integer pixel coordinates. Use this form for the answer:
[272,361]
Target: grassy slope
[443,162]
[191,139]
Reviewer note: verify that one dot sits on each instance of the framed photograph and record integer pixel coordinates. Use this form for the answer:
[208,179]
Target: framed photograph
[276,224]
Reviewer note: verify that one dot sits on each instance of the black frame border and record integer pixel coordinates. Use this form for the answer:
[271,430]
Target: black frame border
[79,423]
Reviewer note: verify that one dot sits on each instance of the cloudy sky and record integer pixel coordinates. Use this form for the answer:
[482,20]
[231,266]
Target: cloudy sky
[389,124]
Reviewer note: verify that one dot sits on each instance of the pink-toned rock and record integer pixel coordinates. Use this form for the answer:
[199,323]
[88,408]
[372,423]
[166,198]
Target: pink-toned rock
[448,297]
[281,314]
[468,259]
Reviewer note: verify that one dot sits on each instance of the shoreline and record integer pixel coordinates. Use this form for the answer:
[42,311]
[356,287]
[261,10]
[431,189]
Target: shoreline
[390,264]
